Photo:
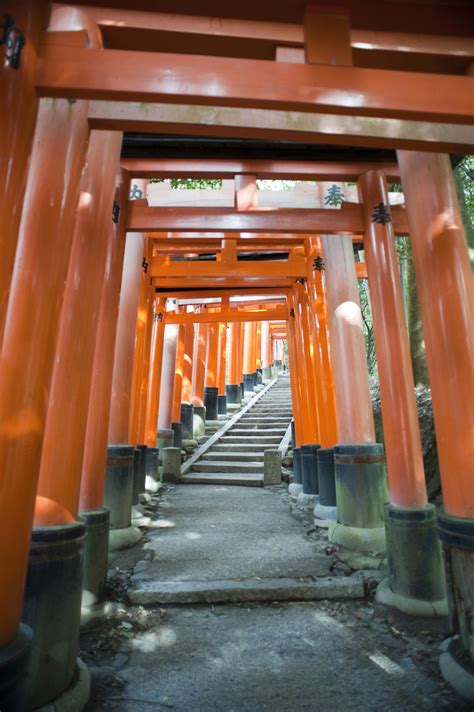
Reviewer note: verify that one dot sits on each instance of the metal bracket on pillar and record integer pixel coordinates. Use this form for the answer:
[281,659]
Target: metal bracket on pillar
[145,265]
[115,212]
[14,41]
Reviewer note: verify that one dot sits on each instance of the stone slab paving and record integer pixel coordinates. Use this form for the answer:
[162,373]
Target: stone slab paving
[293,658]
[321,656]
[229,533]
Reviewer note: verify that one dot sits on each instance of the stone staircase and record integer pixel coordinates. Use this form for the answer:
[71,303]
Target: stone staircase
[236,457]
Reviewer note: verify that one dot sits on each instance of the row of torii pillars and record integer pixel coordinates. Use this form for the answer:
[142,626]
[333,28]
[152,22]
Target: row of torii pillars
[66,390]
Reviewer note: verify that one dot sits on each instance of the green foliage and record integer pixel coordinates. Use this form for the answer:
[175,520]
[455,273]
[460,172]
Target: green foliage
[367,326]
[191,183]
[464,178]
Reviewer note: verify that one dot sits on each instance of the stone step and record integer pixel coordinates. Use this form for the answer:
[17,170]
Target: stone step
[252,440]
[221,466]
[237,430]
[266,420]
[259,425]
[271,412]
[238,456]
[245,479]
[237,448]
[227,591]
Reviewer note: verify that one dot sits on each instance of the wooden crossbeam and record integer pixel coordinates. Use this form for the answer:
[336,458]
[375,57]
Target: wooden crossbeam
[117,75]
[222,121]
[251,284]
[226,315]
[247,291]
[347,221]
[248,269]
[395,24]
[276,170]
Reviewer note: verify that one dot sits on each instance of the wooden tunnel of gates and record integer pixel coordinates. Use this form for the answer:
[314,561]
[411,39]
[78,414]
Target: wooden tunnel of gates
[123,298]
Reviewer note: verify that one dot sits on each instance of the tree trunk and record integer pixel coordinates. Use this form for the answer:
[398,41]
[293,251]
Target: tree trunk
[415,328]
[466,217]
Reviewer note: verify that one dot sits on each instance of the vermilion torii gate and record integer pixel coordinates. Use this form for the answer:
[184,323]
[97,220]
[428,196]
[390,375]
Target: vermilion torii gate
[90,344]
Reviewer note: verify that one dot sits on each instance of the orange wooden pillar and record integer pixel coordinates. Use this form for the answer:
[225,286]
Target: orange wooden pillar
[258,350]
[187,409]
[361,488]
[95,446]
[221,371]
[28,356]
[241,357]
[446,294]
[178,385]
[298,391]
[17,79]
[165,408]
[408,518]
[188,364]
[295,382]
[119,425]
[311,423]
[199,364]
[199,374]
[249,356]
[320,321]
[318,404]
[61,465]
[266,351]
[354,407]
[143,329]
[31,328]
[146,371]
[233,349]
[211,390]
[154,381]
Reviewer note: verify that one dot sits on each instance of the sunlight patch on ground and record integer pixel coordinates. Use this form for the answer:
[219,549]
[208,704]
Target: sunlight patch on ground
[149,642]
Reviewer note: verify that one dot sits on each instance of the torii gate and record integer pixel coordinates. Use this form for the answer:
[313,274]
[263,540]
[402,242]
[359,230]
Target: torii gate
[61,175]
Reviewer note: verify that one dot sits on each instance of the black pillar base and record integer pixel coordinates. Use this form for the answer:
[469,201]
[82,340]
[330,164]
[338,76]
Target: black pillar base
[233,393]
[211,402]
[136,475]
[361,484]
[297,472]
[141,472]
[222,405]
[96,551]
[199,421]
[187,412]
[13,661]
[249,382]
[242,391]
[152,458]
[52,609]
[457,537]
[119,485]
[177,429]
[309,468]
[326,477]
[414,571]
[293,435]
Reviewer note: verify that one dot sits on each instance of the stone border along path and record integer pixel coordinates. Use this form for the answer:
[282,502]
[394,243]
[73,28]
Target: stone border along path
[234,455]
